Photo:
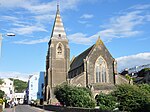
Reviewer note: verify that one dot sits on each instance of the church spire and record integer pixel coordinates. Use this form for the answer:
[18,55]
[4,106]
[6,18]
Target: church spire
[57,7]
[58,31]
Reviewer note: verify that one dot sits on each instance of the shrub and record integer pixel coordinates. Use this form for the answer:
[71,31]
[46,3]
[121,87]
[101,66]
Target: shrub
[86,90]
[1,101]
[2,93]
[145,88]
[1,81]
[106,101]
[131,98]
[74,96]
[143,72]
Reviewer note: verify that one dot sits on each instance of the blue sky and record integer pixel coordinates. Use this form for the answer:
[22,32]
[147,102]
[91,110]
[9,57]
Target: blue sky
[123,25]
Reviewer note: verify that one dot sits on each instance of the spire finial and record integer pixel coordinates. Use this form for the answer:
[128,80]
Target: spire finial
[58,6]
[99,41]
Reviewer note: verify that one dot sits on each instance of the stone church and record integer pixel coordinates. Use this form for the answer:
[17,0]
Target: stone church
[94,68]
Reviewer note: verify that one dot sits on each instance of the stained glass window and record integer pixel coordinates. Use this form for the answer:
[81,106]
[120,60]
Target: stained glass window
[101,70]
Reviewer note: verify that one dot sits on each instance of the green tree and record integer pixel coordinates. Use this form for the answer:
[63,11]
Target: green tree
[20,85]
[106,101]
[1,81]
[2,93]
[144,87]
[74,96]
[132,99]
[129,78]
[87,90]
[143,72]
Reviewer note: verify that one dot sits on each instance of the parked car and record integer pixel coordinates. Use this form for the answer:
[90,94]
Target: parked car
[21,101]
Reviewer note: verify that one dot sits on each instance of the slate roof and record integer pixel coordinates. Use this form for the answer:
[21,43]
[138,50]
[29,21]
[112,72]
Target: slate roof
[79,60]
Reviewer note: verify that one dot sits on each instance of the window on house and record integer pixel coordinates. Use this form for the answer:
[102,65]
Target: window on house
[10,91]
[41,93]
[42,85]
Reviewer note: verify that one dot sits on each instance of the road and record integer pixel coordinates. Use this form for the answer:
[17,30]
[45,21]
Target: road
[24,108]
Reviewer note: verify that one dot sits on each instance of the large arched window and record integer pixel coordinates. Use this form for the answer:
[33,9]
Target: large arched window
[101,71]
[59,50]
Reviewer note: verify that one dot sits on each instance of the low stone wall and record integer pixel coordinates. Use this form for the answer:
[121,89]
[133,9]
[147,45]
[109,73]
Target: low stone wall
[70,109]
[39,106]
[121,80]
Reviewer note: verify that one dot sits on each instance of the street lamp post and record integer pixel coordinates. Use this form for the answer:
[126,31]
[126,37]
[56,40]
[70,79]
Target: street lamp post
[1,38]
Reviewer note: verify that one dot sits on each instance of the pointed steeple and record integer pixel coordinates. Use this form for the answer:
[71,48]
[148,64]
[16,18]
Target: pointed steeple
[58,31]
[57,7]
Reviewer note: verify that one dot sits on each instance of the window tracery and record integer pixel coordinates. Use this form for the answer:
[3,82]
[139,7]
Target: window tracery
[101,70]
[59,50]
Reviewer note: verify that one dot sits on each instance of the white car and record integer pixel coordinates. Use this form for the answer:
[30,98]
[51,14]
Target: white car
[21,101]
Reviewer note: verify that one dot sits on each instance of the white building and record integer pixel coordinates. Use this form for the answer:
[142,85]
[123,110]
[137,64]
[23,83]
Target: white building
[33,88]
[8,88]
[19,98]
[138,68]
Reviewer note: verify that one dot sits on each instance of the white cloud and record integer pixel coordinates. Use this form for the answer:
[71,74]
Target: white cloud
[148,17]
[69,4]
[44,18]
[38,13]
[87,16]
[37,7]
[142,39]
[141,6]
[122,26]
[32,41]
[15,21]
[28,29]
[21,27]
[16,75]
[83,22]
[80,38]
[9,18]
[12,3]
[133,60]
[41,8]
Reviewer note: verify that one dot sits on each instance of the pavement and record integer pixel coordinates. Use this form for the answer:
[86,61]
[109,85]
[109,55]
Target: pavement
[24,108]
